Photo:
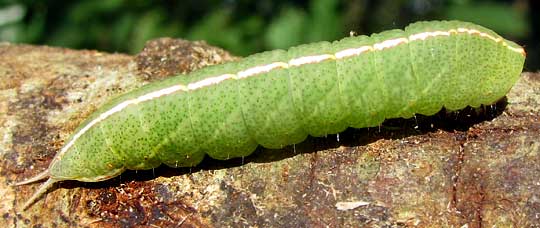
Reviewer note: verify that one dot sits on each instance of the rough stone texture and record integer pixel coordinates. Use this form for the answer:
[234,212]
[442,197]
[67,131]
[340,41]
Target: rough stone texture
[164,57]
[477,167]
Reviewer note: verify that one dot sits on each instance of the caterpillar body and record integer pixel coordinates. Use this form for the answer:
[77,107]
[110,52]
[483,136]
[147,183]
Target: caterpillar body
[278,98]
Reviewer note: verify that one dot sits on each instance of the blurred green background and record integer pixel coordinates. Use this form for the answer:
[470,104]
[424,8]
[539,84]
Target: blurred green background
[244,27]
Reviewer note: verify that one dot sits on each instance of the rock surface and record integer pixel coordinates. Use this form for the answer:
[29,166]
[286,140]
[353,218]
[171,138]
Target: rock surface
[476,167]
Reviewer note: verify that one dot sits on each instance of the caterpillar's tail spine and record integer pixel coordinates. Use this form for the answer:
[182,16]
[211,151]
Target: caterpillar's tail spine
[42,189]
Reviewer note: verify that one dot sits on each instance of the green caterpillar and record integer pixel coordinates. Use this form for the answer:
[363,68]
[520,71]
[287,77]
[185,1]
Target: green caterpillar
[278,98]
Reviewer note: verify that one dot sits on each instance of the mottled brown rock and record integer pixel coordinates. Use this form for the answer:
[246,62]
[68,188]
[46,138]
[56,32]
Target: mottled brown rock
[165,57]
[477,167]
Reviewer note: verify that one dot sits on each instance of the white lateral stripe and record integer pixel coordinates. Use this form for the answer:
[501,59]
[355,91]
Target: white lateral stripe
[425,35]
[261,69]
[390,43]
[518,50]
[160,93]
[209,81]
[351,52]
[310,59]
[481,34]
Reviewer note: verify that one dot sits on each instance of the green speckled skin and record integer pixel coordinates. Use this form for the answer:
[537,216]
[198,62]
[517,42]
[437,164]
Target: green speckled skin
[284,106]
